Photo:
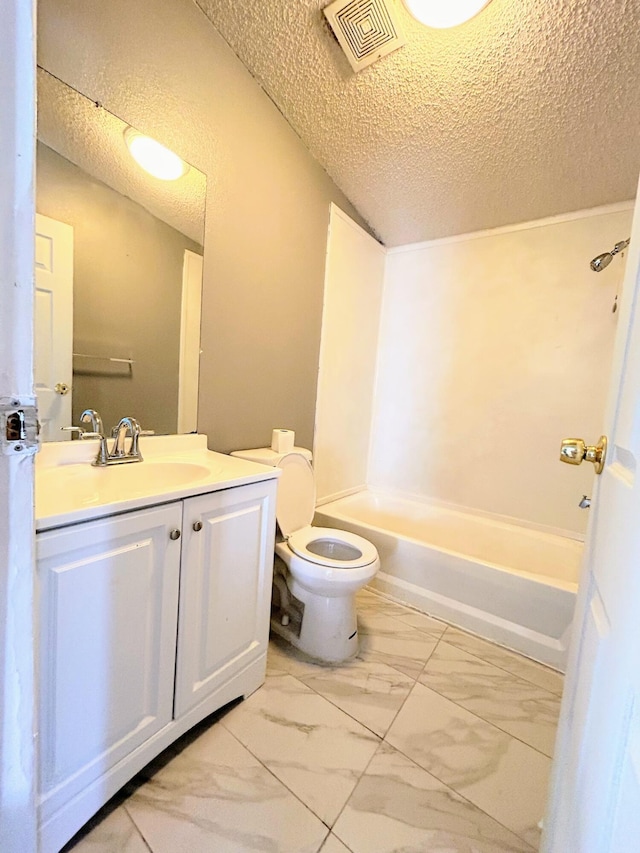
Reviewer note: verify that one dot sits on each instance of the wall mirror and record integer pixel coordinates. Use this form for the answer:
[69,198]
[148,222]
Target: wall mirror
[118,273]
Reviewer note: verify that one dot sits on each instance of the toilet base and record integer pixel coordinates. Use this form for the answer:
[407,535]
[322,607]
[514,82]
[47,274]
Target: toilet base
[329,629]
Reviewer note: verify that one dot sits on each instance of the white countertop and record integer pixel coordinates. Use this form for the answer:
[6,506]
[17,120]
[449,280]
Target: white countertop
[70,490]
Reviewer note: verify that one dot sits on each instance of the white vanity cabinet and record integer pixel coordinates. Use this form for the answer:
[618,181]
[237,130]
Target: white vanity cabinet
[143,632]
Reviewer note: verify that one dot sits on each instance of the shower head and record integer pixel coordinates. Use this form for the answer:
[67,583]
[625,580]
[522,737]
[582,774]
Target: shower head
[603,260]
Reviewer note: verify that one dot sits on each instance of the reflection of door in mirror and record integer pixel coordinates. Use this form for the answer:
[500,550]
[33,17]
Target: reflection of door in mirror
[53,321]
[137,266]
[189,369]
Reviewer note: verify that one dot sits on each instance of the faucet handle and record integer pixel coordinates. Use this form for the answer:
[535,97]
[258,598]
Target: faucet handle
[82,433]
[79,430]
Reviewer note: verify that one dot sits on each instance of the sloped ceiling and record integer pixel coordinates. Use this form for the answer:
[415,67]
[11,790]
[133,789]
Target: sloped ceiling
[529,110]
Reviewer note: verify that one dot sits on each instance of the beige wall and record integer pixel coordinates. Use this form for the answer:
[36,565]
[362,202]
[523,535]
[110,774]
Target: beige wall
[494,347]
[127,293]
[162,67]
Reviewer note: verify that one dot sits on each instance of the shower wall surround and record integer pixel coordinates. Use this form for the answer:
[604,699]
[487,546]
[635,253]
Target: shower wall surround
[493,347]
[354,281]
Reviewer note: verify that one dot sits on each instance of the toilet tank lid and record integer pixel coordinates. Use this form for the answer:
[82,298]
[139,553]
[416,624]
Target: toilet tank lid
[267,456]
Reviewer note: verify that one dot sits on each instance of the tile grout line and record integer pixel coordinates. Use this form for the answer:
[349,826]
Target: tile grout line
[346,803]
[355,719]
[411,690]
[284,784]
[384,663]
[395,618]
[508,672]
[458,793]
[450,627]
[335,834]
[138,830]
[331,702]
[508,651]
[482,720]
[332,833]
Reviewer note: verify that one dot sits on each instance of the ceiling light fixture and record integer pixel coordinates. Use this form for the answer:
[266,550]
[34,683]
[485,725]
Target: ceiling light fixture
[153,157]
[442,14]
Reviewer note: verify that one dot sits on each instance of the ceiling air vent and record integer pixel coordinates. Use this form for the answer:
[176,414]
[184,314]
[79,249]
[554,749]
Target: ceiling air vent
[366,29]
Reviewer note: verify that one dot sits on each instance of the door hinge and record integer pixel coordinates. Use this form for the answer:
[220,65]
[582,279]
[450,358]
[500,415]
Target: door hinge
[19,425]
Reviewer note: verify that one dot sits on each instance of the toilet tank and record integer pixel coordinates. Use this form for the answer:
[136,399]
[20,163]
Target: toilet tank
[267,456]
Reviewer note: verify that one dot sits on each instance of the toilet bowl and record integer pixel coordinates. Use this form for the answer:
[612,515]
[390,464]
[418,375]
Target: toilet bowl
[317,570]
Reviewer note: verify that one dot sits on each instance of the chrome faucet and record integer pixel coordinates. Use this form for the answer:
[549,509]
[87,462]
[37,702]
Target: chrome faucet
[118,454]
[119,433]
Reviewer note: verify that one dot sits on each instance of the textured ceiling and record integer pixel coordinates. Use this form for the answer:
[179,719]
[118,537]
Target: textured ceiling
[528,110]
[93,139]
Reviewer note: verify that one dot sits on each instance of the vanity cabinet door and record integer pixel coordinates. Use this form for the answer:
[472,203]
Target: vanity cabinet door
[225,589]
[108,600]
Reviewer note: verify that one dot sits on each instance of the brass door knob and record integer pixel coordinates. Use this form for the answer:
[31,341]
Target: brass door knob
[62,388]
[574,450]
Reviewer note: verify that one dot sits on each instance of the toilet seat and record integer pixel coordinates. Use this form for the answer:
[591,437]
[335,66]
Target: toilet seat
[324,546]
[303,540]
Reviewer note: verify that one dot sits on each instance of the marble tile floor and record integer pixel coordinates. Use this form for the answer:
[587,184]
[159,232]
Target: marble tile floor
[430,741]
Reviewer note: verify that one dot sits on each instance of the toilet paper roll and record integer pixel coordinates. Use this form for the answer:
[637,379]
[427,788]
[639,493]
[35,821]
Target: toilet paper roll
[283,440]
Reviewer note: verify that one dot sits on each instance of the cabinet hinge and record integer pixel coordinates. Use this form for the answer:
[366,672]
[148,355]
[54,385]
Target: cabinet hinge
[19,425]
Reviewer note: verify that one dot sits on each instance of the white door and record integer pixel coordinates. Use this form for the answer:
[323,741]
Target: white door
[189,372]
[595,793]
[108,607]
[53,363]
[17,159]
[225,589]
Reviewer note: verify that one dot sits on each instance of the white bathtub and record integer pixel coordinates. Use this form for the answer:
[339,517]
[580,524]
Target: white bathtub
[511,584]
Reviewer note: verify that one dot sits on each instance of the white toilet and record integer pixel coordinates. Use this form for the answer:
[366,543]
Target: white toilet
[318,570]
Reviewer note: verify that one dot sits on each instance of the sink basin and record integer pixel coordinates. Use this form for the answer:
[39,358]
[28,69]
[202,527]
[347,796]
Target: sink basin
[84,485]
[68,489]
[154,475]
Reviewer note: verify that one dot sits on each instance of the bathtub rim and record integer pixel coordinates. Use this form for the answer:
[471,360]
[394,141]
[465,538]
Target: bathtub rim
[566,586]
[497,518]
